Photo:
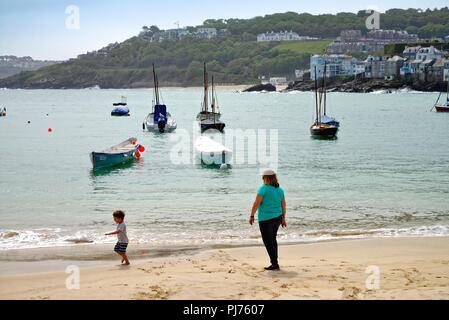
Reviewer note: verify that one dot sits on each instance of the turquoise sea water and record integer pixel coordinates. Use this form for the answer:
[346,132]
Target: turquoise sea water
[386,175]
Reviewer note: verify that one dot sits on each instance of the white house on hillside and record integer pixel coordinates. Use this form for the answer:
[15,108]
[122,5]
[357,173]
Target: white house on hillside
[428,53]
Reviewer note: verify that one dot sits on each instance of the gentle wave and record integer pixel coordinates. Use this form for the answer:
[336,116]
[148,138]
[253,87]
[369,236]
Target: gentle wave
[12,240]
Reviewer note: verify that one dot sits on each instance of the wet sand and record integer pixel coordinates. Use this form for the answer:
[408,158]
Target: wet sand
[410,268]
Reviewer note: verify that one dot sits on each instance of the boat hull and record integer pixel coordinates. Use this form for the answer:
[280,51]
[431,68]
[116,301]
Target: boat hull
[208,116]
[211,153]
[103,160]
[442,109]
[218,126]
[114,156]
[324,131]
[117,114]
[169,127]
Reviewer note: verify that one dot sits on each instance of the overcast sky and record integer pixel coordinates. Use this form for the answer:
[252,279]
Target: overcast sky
[38,28]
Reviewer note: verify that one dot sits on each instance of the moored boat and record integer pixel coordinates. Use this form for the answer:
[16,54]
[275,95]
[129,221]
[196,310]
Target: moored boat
[210,119]
[210,152]
[443,107]
[116,155]
[120,109]
[159,120]
[324,126]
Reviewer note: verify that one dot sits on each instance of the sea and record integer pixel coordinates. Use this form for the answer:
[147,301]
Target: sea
[387,174]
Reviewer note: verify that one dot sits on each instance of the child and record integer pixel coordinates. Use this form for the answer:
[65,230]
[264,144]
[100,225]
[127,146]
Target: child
[122,244]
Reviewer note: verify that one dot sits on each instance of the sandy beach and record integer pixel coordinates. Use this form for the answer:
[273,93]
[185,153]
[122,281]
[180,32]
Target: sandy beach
[410,268]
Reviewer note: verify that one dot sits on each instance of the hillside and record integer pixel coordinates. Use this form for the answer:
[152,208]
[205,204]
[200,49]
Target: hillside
[11,65]
[236,59]
[128,64]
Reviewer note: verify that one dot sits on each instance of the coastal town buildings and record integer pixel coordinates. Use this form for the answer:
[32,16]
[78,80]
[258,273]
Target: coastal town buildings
[374,41]
[428,53]
[282,36]
[278,81]
[337,65]
[393,67]
[375,67]
[423,64]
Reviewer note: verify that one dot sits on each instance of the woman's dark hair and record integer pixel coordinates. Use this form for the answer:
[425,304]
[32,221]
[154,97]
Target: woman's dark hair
[271,181]
[119,214]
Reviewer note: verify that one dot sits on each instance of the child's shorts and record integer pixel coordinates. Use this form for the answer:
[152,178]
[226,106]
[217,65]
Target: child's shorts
[121,247]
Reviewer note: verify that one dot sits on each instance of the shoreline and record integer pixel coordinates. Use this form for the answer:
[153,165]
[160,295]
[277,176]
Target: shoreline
[241,88]
[411,268]
[102,252]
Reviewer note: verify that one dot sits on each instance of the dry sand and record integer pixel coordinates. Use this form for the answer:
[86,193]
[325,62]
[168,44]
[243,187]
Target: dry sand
[410,268]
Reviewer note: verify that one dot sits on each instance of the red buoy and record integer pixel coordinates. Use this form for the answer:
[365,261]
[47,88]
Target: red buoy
[141,148]
[137,155]
[50,130]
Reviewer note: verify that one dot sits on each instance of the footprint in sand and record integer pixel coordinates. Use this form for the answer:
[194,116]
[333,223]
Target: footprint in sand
[351,293]
[155,293]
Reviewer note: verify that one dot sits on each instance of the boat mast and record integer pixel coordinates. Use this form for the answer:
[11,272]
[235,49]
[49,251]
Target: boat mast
[156,85]
[447,94]
[316,97]
[213,99]
[206,90]
[325,89]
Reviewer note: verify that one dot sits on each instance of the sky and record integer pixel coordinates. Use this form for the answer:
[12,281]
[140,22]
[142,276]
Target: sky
[48,29]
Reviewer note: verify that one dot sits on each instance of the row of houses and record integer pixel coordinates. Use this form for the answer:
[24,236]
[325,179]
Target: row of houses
[282,36]
[181,33]
[374,41]
[426,64]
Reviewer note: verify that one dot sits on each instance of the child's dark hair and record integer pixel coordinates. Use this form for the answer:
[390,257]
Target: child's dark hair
[119,214]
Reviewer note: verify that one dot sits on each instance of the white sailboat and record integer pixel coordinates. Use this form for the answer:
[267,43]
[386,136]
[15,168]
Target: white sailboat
[159,120]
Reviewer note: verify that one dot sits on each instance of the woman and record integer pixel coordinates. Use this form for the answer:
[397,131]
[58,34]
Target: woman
[272,208]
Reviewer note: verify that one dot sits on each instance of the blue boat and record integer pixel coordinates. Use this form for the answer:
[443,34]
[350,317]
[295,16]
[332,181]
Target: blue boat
[116,155]
[121,109]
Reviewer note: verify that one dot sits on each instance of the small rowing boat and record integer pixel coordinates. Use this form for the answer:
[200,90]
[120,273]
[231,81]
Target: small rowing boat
[116,155]
[210,152]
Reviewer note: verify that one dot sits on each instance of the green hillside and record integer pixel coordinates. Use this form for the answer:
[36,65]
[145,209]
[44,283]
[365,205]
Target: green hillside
[304,47]
[236,59]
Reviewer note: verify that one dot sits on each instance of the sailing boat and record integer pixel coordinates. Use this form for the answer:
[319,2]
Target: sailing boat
[324,126]
[443,107]
[159,120]
[210,119]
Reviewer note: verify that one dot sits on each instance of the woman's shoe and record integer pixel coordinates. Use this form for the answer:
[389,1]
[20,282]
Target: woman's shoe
[273,268]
